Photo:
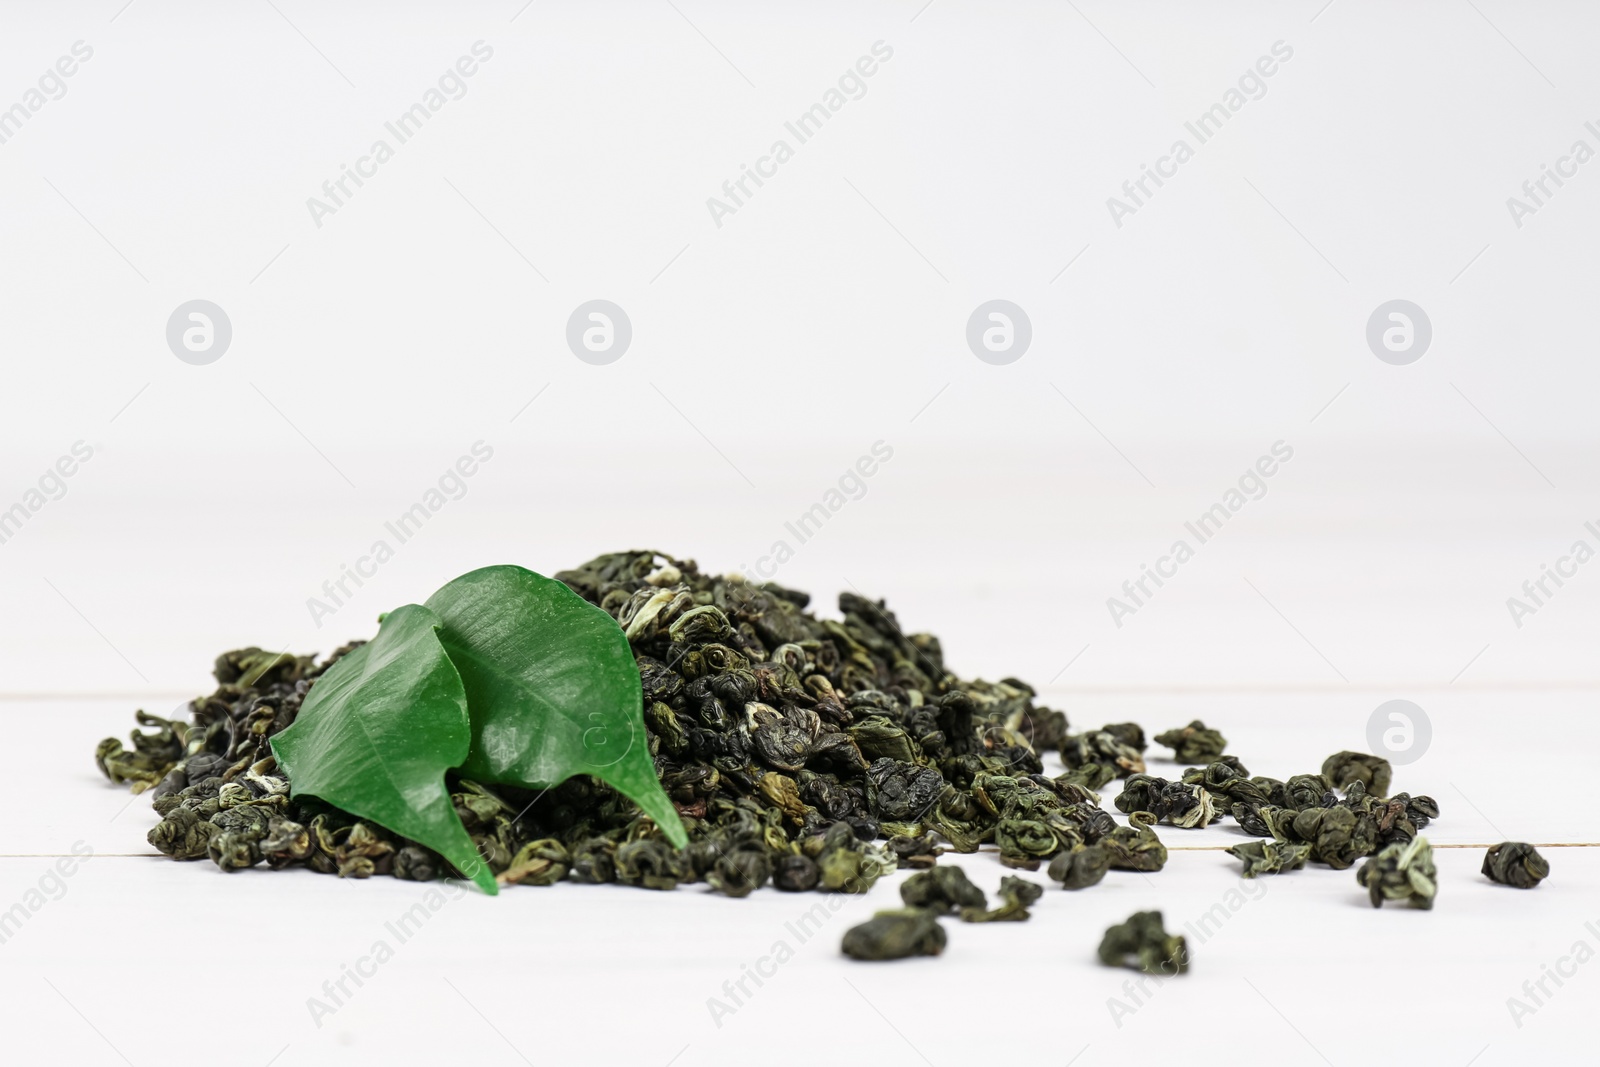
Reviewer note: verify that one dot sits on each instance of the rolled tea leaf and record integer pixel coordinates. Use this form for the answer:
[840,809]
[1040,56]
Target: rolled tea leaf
[1101,747]
[942,890]
[1081,867]
[1182,804]
[895,935]
[1143,944]
[650,864]
[740,870]
[552,687]
[1515,863]
[1129,733]
[1016,894]
[377,732]
[542,862]
[1270,857]
[1088,775]
[1195,743]
[846,864]
[1337,836]
[1223,778]
[1135,847]
[1303,791]
[1373,772]
[796,874]
[1401,872]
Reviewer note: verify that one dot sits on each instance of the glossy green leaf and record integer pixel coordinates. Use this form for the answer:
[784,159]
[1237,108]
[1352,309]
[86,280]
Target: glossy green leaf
[377,733]
[552,686]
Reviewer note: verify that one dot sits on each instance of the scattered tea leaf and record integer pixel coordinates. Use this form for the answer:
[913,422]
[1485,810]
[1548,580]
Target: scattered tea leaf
[895,935]
[1515,863]
[1402,872]
[1143,944]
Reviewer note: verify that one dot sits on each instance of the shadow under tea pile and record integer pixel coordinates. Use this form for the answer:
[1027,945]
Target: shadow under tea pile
[811,753]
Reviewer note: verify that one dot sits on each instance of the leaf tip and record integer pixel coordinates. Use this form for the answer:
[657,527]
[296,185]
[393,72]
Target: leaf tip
[484,878]
[665,816]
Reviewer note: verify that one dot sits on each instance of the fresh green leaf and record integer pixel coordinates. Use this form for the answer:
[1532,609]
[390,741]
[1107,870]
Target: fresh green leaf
[552,687]
[377,733]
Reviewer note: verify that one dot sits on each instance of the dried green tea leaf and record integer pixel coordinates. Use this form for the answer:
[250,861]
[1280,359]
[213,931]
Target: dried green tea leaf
[1270,857]
[287,842]
[183,834]
[1100,746]
[919,851]
[153,756]
[542,862]
[942,890]
[650,863]
[741,869]
[1143,944]
[1401,872]
[1515,863]
[895,935]
[1129,733]
[1373,772]
[1226,777]
[1195,743]
[1338,836]
[1180,803]
[1041,728]
[1303,791]
[846,864]
[1081,867]
[1016,895]
[1090,776]
[376,734]
[1397,818]
[1135,847]
[552,686]
[796,874]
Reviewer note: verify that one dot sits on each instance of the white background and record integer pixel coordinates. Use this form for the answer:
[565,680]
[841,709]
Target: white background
[828,313]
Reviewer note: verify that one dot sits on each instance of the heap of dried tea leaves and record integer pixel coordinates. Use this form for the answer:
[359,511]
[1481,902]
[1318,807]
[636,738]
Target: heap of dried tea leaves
[802,752]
